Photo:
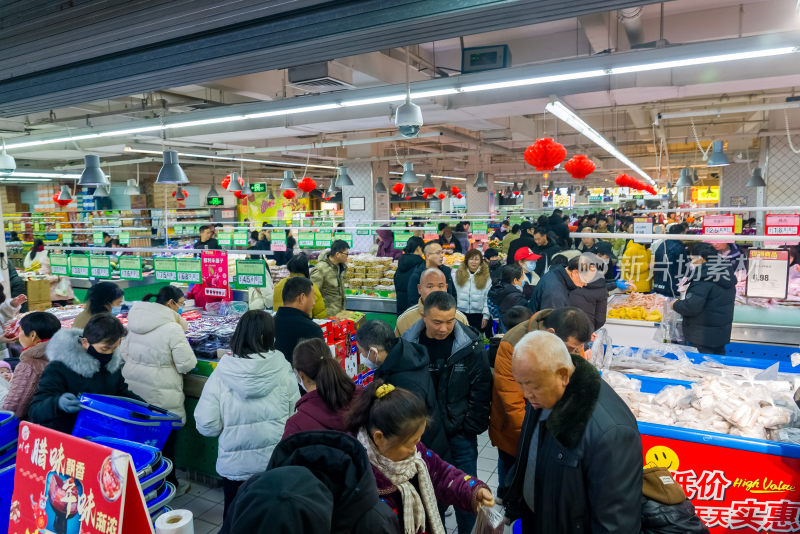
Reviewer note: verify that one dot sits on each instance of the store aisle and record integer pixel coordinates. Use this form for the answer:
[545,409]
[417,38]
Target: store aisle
[206,503]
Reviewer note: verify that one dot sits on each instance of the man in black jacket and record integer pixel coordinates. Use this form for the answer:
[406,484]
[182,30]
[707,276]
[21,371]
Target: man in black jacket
[546,247]
[508,292]
[434,257]
[403,364]
[579,461]
[554,288]
[460,371]
[293,321]
[559,228]
[525,239]
[669,261]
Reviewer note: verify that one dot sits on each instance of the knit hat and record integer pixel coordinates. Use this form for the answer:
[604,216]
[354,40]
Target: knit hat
[5,364]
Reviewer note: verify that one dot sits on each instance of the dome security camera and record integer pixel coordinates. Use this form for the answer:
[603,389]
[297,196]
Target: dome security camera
[408,118]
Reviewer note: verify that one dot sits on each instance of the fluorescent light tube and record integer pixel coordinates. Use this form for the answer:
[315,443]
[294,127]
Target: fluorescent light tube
[290,111]
[567,115]
[371,101]
[704,60]
[33,174]
[534,81]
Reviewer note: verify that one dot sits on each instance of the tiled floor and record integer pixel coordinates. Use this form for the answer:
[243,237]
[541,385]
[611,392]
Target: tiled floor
[206,503]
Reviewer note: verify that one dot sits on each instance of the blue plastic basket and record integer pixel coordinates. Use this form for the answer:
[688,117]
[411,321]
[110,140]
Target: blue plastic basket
[9,426]
[162,499]
[154,491]
[145,458]
[161,472]
[123,418]
[6,490]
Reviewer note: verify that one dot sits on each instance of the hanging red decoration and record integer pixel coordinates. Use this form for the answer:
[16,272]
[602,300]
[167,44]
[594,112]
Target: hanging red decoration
[288,194]
[441,196]
[407,198]
[60,202]
[623,180]
[579,166]
[307,184]
[429,190]
[545,154]
[185,193]
[397,188]
[226,181]
[239,194]
[459,195]
[455,190]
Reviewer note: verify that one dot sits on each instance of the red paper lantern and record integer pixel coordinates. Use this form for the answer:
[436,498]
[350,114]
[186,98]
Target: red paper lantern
[60,202]
[441,196]
[288,194]
[579,166]
[397,188]
[407,198]
[429,190]
[545,154]
[226,181]
[307,184]
[459,195]
[455,190]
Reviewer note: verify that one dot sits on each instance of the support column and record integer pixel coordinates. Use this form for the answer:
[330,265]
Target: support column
[375,206]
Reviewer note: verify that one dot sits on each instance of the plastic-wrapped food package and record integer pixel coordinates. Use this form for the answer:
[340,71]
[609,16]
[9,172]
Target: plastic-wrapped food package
[673,397]
[787,435]
[774,416]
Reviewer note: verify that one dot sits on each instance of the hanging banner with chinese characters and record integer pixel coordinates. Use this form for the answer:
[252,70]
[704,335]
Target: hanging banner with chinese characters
[130,268]
[59,264]
[188,270]
[250,273]
[768,274]
[67,485]
[165,269]
[736,484]
[100,266]
[79,266]
[215,273]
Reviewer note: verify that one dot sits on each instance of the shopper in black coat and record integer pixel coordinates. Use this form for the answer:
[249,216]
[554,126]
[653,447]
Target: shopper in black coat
[546,247]
[406,265]
[507,292]
[669,260]
[434,257]
[404,365]
[293,321]
[707,308]
[557,225]
[81,361]
[525,239]
[592,299]
[554,288]
[588,472]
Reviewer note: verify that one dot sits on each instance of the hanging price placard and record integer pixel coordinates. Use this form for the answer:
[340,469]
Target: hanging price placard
[643,225]
[188,270]
[768,274]
[165,269]
[100,266]
[401,238]
[782,225]
[59,264]
[240,239]
[322,239]
[347,238]
[225,239]
[124,238]
[79,266]
[130,268]
[97,238]
[250,273]
[362,231]
[305,239]
[66,239]
[480,230]
[278,242]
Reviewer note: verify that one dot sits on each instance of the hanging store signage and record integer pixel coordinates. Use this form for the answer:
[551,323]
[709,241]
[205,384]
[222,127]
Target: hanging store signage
[719,225]
[130,268]
[188,270]
[768,274]
[701,195]
[260,187]
[480,230]
[124,238]
[100,266]
[278,243]
[781,224]
[322,239]
[305,239]
[362,229]
[347,238]
[66,239]
[225,239]
[401,238]
[59,264]
[68,485]
[250,273]
[214,201]
[97,238]
[215,273]
[240,239]
[165,269]
[79,266]
[643,225]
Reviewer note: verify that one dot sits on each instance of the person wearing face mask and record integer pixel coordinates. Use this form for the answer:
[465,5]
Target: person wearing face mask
[472,286]
[247,401]
[528,262]
[554,288]
[404,364]
[707,307]
[593,297]
[81,361]
[492,258]
[104,297]
[507,293]
[412,479]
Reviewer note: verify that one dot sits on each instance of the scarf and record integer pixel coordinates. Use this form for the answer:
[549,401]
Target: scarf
[415,508]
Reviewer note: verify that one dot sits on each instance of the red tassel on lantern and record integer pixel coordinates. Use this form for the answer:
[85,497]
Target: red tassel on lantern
[459,195]
[397,188]
[545,154]
[579,166]
[441,196]
[288,194]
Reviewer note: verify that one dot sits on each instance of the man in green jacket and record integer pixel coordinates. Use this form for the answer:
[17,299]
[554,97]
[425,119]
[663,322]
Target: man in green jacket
[511,236]
[328,275]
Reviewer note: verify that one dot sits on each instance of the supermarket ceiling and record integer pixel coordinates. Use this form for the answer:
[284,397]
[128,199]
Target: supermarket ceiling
[200,62]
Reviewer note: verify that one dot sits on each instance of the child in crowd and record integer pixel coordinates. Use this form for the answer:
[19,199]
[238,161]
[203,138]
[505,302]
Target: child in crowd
[5,371]
[247,401]
[412,480]
[36,329]
[81,361]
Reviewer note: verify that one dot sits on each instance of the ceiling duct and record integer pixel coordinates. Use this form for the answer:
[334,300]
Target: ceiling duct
[320,77]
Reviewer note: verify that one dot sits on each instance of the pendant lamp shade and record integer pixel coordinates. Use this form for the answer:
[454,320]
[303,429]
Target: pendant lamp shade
[270,195]
[92,173]
[246,191]
[480,182]
[718,157]
[380,187]
[694,177]
[537,189]
[212,192]
[289,181]
[606,192]
[179,194]
[756,179]
[523,186]
[235,186]
[101,191]
[7,162]
[685,180]
[409,176]
[332,190]
[171,172]
[65,193]
[132,188]
[428,183]
[342,178]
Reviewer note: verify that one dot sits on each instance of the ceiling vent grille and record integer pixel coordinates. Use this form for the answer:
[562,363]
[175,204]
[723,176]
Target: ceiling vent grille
[321,77]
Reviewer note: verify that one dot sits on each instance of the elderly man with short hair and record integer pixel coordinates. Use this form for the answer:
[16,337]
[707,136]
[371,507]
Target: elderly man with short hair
[579,464]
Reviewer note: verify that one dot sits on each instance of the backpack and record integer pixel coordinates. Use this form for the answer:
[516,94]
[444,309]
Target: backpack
[665,508]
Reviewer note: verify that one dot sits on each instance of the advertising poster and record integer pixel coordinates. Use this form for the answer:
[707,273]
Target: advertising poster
[67,485]
[214,264]
[262,210]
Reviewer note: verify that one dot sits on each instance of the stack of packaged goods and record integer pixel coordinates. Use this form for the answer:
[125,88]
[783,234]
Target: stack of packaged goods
[370,275]
[340,335]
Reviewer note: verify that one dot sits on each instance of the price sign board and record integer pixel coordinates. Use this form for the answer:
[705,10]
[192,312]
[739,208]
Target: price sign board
[721,225]
[347,238]
[364,230]
[59,264]
[188,270]
[130,268]
[215,273]
[480,230]
[401,238]
[124,238]
[643,225]
[305,239]
[100,266]
[165,269]
[225,239]
[782,225]
[278,242]
[250,273]
[79,266]
[768,274]
[97,238]
[322,239]
[66,238]
[240,239]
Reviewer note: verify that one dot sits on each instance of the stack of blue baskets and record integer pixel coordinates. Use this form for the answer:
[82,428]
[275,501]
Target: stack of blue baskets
[8,458]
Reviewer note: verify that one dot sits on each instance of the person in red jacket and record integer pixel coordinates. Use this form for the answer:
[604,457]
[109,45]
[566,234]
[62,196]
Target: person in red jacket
[329,391]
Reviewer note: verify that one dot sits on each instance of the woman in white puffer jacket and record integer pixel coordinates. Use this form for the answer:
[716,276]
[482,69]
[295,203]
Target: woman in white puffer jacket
[473,281]
[247,401]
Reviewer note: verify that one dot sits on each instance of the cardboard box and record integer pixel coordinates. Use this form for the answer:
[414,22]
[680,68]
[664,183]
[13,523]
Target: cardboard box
[38,291]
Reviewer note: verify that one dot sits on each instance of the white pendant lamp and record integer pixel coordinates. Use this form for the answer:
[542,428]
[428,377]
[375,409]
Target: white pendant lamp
[246,191]
[409,176]
[65,193]
[132,187]
[756,179]
[92,173]
[171,172]
[289,181]
[7,162]
[342,178]
[102,191]
[212,192]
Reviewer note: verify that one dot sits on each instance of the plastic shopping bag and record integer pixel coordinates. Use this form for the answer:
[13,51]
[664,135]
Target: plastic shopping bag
[490,520]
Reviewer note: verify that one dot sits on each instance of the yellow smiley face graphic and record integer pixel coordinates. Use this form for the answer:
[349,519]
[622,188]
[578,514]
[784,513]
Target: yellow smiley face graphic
[662,456]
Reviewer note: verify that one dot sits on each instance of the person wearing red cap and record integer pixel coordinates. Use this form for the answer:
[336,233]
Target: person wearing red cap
[527,259]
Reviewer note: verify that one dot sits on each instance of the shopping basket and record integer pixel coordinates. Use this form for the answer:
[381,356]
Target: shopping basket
[9,425]
[124,418]
[145,457]
[6,490]
[162,499]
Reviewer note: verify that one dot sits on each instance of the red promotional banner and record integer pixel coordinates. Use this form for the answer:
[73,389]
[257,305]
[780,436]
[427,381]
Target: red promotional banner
[733,489]
[67,485]
[214,265]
